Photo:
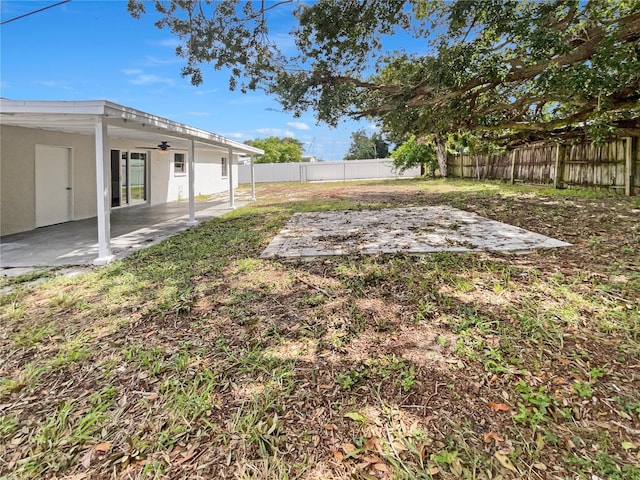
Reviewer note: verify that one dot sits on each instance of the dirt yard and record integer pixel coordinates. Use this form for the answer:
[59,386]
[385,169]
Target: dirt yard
[196,358]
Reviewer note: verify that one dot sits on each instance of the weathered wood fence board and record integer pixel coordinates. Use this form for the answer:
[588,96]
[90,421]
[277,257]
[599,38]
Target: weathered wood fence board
[615,165]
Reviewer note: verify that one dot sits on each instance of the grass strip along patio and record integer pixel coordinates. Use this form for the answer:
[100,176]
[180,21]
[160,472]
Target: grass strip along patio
[196,358]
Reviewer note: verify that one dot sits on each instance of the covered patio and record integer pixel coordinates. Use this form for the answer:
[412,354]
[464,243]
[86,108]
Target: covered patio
[75,243]
[105,235]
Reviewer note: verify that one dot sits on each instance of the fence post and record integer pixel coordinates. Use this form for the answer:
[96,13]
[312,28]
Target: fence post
[559,166]
[628,167]
[513,166]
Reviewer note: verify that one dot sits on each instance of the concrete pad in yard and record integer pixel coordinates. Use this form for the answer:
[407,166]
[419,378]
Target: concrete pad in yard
[408,230]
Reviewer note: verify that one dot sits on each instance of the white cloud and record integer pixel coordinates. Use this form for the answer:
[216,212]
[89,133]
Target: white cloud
[206,92]
[168,42]
[138,77]
[298,125]
[236,135]
[275,132]
[160,61]
[53,84]
[148,79]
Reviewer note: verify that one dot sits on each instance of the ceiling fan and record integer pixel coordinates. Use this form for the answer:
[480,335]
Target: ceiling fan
[162,146]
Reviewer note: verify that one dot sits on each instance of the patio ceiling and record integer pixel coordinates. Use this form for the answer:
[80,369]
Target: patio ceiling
[122,123]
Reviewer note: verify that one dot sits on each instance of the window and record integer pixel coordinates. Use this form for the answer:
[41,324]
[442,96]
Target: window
[223,164]
[178,163]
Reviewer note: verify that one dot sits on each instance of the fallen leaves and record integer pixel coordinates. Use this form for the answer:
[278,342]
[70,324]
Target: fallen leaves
[383,431]
[338,455]
[151,396]
[498,407]
[355,416]
[364,461]
[491,436]
[349,448]
[89,455]
[381,467]
[505,461]
[373,444]
[102,447]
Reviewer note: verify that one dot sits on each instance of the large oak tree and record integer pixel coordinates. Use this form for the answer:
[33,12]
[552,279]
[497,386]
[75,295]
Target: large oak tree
[513,71]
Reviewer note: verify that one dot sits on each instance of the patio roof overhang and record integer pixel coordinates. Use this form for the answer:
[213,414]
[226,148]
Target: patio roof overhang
[122,122]
[107,120]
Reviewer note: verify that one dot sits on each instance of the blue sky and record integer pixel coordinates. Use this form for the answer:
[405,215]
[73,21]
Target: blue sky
[94,50]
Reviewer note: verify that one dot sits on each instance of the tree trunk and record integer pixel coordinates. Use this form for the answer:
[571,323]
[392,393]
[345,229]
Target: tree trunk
[441,155]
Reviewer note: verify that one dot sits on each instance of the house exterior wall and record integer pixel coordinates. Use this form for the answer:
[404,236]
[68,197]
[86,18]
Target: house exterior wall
[165,185]
[169,186]
[17,175]
[208,170]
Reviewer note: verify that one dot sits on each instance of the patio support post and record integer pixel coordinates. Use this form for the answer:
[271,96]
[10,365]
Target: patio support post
[192,180]
[253,180]
[103,194]
[232,201]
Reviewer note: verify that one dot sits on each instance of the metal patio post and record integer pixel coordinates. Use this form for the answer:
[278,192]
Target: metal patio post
[103,197]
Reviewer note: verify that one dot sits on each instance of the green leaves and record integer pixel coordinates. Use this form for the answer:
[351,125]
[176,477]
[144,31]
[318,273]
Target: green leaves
[511,70]
[364,146]
[278,150]
[502,64]
[412,154]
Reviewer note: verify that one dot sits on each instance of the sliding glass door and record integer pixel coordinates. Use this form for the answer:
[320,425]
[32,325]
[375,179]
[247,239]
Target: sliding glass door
[128,178]
[137,177]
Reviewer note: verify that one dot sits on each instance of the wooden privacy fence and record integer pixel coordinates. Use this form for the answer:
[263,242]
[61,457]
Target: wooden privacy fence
[614,165]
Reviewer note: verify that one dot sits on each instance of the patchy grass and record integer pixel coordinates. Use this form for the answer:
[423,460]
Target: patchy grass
[197,359]
[27,278]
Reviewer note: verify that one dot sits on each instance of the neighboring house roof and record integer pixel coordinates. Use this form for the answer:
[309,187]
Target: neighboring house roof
[122,122]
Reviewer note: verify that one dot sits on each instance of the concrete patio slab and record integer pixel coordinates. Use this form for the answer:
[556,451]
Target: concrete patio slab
[408,230]
[75,243]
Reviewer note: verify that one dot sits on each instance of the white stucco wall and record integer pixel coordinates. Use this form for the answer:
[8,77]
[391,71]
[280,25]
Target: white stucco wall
[208,168]
[17,177]
[168,186]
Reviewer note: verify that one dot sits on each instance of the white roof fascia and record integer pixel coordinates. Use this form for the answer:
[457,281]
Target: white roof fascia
[85,107]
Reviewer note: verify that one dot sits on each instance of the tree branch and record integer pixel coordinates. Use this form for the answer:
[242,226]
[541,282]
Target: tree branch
[629,31]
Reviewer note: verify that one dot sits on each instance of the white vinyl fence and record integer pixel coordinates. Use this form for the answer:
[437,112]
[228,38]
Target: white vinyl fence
[323,171]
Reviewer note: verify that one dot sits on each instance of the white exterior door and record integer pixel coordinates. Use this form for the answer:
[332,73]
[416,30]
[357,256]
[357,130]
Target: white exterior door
[53,185]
